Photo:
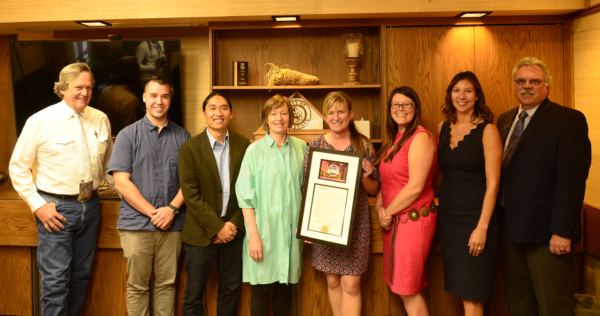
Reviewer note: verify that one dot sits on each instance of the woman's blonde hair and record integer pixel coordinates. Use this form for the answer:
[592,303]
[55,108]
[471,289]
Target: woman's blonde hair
[70,73]
[273,103]
[359,141]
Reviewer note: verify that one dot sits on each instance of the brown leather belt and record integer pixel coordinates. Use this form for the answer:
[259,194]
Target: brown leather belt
[64,196]
[414,216]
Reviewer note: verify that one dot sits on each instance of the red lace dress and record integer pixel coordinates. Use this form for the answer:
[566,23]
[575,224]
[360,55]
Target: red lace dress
[404,265]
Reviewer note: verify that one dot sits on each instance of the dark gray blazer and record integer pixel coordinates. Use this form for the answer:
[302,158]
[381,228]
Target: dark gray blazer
[201,187]
[544,183]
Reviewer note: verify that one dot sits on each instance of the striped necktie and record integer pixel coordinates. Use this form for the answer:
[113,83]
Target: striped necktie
[510,151]
[514,139]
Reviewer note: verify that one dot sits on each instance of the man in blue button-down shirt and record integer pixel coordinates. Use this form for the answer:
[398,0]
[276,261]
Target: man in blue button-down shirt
[145,168]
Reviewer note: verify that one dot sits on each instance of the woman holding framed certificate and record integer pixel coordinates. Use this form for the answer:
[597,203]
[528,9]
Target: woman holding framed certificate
[405,203]
[268,191]
[343,267]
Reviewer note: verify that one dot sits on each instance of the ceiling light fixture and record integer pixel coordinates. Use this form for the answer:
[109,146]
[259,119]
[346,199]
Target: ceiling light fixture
[286,18]
[467,15]
[93,23]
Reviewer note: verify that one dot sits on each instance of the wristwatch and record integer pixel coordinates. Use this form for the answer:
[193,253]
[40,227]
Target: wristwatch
[175,210]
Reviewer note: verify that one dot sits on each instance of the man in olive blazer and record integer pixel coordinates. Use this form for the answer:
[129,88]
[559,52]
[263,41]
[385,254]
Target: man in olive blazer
[547,156]
[209,164]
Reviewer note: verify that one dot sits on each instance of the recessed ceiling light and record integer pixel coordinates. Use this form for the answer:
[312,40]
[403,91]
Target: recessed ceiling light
[93,23]
[473,14]
[286,18]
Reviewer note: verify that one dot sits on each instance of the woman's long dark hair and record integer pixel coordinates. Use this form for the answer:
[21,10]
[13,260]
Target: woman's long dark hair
[480,110]
[359,141]
[391,127]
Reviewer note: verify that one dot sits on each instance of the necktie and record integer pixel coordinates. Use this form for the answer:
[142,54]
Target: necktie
[85,166]
[514,138]
[510,150]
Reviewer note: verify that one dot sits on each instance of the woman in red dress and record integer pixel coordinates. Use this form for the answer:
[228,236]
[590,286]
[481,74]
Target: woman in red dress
[405,203]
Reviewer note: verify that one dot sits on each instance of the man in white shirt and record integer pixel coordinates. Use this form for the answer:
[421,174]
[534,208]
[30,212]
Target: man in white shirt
[59,162]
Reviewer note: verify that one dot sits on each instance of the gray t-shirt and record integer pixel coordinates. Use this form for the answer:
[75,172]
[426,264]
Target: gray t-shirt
[151,159]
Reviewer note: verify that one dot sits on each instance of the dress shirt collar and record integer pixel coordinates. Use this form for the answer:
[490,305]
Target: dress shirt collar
[212,140]
[68,112]
[150,126]
[530,112]
[271,142]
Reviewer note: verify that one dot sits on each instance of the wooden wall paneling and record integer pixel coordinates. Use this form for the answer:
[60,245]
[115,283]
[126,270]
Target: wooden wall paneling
[376,236]
[426,59]
[313,288]
[243,307]
[108,235]
[498,306]
[396,305]
[87,307]
[7,133]
[15,281]
[108,283]
[586,49]
[568,64]
[579,272]
[592,277]
[375,292]
[17,224]
[195,73]
[247,106]
[592,231]
[498,48]
[439,301]
[384,87]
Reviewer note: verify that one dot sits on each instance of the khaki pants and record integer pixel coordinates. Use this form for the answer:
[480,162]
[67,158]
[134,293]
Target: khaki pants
[140,249]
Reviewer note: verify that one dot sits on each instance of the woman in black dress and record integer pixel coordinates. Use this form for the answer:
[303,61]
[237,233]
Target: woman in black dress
[469,157]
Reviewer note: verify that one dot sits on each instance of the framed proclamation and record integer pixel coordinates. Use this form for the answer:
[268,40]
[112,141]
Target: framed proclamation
[329,197]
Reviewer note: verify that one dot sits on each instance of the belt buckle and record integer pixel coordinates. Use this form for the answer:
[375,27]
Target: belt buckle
[424,211]
[413,215]
[433,207]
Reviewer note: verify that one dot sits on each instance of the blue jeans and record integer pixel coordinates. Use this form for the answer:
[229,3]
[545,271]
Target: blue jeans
[64,258]
[198,263]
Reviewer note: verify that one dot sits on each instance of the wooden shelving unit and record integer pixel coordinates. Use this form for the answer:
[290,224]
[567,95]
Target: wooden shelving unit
[315,49]
[335,87]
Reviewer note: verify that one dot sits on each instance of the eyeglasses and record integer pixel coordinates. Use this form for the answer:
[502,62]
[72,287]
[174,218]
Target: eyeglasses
[406,106]
[533,82]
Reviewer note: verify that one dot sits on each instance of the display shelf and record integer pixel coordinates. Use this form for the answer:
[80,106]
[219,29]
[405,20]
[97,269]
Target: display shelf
[317,50]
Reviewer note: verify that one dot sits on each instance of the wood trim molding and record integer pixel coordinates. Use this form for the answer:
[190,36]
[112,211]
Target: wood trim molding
[298,24]
[587,11]
[417,21]
[131,33]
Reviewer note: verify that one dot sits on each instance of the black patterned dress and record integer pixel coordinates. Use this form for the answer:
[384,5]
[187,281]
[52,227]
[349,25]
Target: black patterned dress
[354,261]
